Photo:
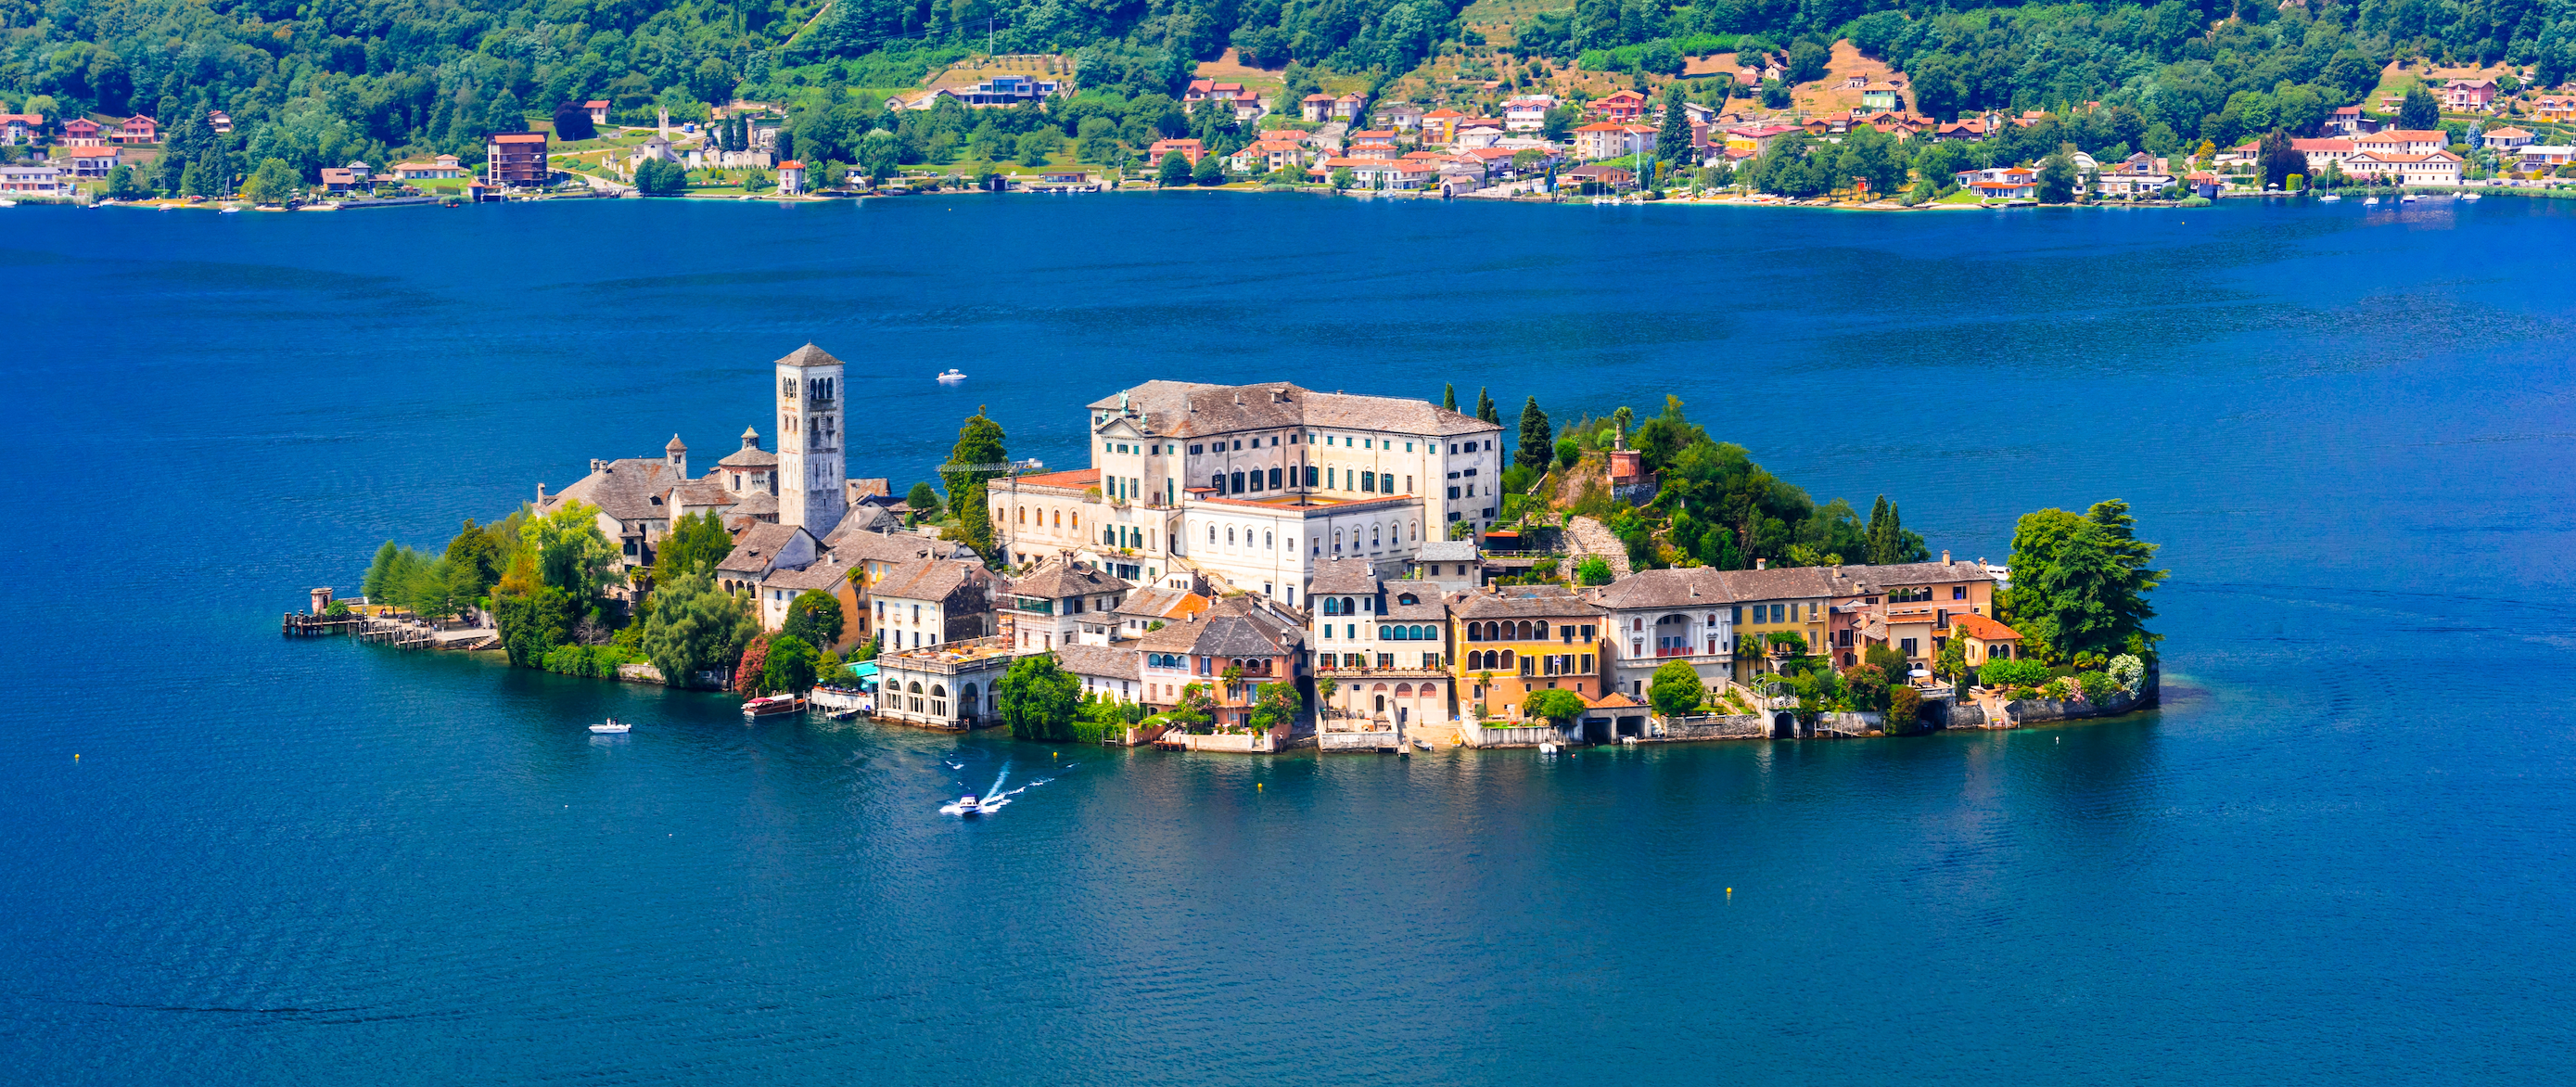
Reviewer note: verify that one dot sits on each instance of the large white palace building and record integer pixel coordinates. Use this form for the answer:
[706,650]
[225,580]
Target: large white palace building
[1255,484]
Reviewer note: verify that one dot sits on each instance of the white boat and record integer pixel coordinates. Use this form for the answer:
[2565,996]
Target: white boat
[772,704]
[950,377]
[2470,196]
[8,203]
[1550,748]
[613,725]
[1422,745]
[2329,198]
[2371,201]
[2409,198]
[965,805]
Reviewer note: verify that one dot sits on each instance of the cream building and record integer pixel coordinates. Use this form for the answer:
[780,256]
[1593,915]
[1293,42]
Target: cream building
[1254,484]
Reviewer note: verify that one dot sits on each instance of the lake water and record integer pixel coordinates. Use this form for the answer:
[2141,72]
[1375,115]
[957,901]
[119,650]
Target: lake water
[2340,853]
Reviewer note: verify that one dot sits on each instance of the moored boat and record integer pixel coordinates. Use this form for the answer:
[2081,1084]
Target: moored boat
[2329,198]
[772,705]
[613,725]
[950,377]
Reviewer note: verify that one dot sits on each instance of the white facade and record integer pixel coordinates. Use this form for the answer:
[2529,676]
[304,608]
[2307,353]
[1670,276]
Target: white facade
[811,471]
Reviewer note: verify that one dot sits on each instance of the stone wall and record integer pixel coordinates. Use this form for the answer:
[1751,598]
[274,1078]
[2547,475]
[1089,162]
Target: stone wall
[1510,736]
[1730,726]
[1355,741]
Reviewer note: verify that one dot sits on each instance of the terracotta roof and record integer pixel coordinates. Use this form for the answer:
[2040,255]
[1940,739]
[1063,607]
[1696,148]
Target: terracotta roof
[1983,629]
[518,137]
[1614,701]
[808,355]
[1165,604]
[1228,628]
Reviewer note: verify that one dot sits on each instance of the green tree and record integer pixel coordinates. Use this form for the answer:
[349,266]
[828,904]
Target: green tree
[2277,159]
[1676,689]
[1568,451]
[696,543]
[473,559]
[1210,171]
[1274,705]
[534,617]
[654,177]
[572,553]
[1175,170]
[789,666]
[978,456]
[1673,140]
[1555,706]
[1343,178]
[1889,542]
[1538,439]
[2056,179]
[923,500]
[814,617]
[1449,396]
[1593,570]
[1952,662]
[1485,409]
[693,626]
[1038,698]
[120,184]
[2080,584]
[2420,111]
[1889,661]
[379,573]
[275,182]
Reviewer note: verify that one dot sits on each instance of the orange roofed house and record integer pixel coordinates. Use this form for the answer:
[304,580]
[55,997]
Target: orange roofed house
[515,159]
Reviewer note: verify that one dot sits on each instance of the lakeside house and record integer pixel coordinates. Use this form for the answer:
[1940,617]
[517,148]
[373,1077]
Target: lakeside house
[515,159]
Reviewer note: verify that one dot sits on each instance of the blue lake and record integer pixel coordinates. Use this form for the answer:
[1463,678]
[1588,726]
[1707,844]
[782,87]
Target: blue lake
[2341,852]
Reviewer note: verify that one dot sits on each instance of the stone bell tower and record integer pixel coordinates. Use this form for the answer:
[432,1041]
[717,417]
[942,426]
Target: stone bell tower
[810,465]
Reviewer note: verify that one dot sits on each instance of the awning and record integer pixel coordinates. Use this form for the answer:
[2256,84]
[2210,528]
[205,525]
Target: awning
[863,669]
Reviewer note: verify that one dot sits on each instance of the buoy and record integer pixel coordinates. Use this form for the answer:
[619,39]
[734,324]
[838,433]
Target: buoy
[1256,786]
[75,758]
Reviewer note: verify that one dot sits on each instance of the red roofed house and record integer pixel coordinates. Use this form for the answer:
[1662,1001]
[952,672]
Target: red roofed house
[1621,106]
[1440,125]
[2348,121]
[19,129]
[81,132]
[1315,107]
[2469,94]
[1347,107]
[1987,640]
[515,159]
[598,108]
[2404,141]
[1191,150]
[2003,183]
[791,177]
[1606,140]
[89,163]
[1373,144]
[2321,152]
[2554,109]
[2508,138]
[138,129]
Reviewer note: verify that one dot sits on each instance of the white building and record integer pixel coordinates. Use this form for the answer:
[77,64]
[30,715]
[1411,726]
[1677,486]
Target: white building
[1661,616]
[1255,484]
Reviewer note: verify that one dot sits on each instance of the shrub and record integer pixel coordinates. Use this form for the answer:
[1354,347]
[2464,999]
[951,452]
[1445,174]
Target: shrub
[1904,710]
[2012,673]
[2055,691]
[1593,570]
[1676,688]
[2129,672]
[2096,686]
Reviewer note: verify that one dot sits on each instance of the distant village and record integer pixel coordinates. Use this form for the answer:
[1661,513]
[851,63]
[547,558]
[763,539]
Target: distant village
[1227,538]
[1535,146]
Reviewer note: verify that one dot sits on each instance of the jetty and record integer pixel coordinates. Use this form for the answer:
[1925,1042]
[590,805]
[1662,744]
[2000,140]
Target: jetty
[380,624]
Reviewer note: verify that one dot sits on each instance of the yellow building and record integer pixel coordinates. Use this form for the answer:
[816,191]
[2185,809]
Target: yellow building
[1511,640]
[1795,601]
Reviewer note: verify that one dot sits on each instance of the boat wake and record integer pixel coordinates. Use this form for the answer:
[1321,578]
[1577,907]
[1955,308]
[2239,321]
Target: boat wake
[995,797]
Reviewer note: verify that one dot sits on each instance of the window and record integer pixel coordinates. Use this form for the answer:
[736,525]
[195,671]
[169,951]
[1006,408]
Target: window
[1265,540]
[1907,644]
[1196,449]
[1958,592]
[1587,632]
[1368,482]
[1238,483]
[1238,443]
[1408,447]
[1274,479]
[1310,475]
[1408,484]
[1368,443]
[1292,439]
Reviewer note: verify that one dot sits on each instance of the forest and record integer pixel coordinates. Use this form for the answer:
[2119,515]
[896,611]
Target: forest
[324,81]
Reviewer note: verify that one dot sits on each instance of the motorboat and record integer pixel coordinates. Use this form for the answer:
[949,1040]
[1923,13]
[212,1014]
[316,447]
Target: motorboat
[772,705]
[2329,198]
[1422,745]
[1550,747]
[8,203]
[2373,201]
[2409,198]
[950,377]
[965,805]
[613,725]
[2470,196]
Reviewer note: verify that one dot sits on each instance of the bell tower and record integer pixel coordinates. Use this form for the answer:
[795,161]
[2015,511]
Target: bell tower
[810,465]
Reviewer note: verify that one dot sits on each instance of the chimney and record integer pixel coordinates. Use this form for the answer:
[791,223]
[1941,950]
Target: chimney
[541,494]
[1945,556]
[1761,564]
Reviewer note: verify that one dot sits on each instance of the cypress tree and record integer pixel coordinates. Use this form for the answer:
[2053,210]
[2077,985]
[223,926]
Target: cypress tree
[1485,407]
[979,447]
[1882,535]
[1449,396]
[1538,440]
[1673,144]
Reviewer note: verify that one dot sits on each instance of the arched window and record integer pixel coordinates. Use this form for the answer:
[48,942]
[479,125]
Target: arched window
[1217,482]
[1373,536]
[1539,630]
[1211,533]
[1229,535]
[937,691]
[1383,634]
[1404,690]
[1265,540]
[1238,483]
[1416,532]
[1059,519]
[1475,632]
[1349,606]
[1332,605]
[1023,517]
[1274,479]
[1506,662]
[915,687]
[1337,539]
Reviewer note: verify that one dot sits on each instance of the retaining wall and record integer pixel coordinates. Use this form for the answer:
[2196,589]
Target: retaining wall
[1355,741]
